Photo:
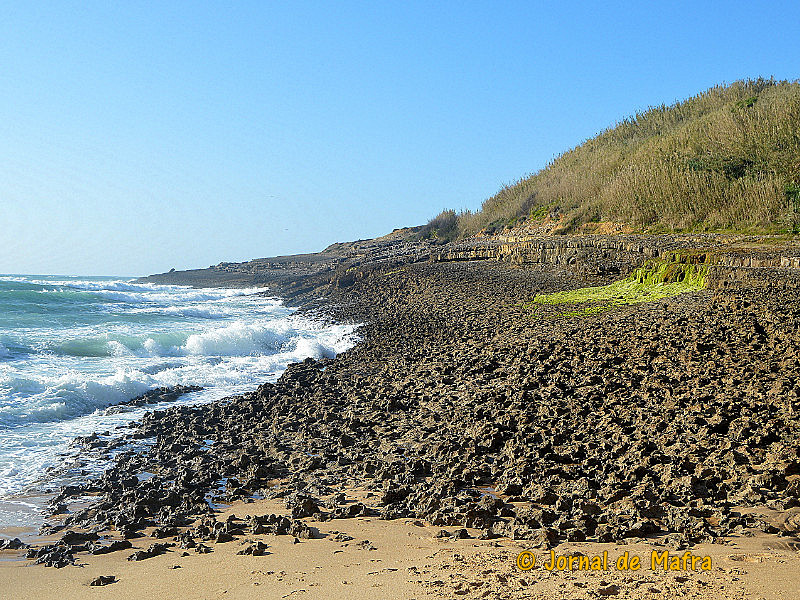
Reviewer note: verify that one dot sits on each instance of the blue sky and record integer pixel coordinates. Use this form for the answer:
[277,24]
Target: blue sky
[137,137]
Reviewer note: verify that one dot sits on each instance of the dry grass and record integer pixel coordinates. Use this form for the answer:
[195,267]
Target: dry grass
[726,159]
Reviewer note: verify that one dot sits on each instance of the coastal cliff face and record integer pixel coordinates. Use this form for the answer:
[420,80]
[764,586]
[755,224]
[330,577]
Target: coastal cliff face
[732,260]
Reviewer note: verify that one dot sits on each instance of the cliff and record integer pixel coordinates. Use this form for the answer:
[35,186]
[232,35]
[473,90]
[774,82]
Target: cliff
[732,260]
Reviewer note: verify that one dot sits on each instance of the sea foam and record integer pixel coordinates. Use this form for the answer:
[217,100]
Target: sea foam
[73,347]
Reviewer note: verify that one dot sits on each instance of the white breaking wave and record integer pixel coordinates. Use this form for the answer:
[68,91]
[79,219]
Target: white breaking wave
[127,285]
[128,291]
[244,354]
[79,357]
[236,339]
[41,399]
[185,295]
[186,311]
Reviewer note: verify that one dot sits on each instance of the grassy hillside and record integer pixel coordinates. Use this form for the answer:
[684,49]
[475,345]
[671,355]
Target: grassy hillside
[726,159]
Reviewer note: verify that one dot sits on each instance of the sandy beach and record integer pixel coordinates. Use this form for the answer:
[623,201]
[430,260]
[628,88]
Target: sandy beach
[404,560]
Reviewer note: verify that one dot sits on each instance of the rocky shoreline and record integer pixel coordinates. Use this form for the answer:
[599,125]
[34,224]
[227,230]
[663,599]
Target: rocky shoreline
[664,421]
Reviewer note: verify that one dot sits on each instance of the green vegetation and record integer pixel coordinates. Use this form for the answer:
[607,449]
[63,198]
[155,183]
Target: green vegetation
[727,159]
[540,212]
[655,280]
[442,228]
[792,191]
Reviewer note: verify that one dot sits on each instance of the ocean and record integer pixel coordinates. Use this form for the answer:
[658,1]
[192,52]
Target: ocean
[71,348]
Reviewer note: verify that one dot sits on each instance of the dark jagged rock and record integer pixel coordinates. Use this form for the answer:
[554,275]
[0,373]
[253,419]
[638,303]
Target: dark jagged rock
[15,544]
[161,394]
[301,506]
[73,538]
[116,545]
[254,549]
[57,555]
[165,532]
[153,550]
[462,407]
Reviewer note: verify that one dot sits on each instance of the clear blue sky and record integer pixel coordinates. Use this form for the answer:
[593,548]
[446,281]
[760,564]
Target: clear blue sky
[142,136]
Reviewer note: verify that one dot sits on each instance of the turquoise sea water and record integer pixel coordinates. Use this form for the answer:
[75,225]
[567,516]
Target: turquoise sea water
[72,347]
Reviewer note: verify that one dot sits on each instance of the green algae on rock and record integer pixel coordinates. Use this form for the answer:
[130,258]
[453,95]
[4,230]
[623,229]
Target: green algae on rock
[654,280]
